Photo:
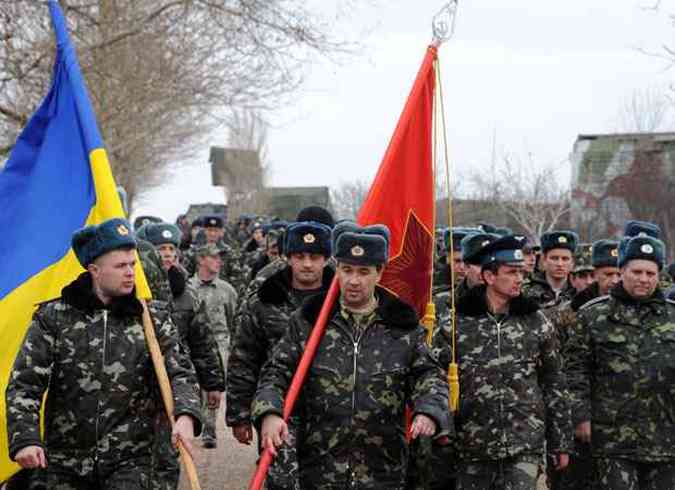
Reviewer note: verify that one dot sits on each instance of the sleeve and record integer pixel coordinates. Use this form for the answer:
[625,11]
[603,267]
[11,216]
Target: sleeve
[179,368]
[28,382]
[577,353]
[247,355]
[204,351]
[428,385]
[553,384]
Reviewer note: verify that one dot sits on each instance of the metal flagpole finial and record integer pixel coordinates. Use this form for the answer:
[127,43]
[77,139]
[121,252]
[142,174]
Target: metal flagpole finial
[443,24]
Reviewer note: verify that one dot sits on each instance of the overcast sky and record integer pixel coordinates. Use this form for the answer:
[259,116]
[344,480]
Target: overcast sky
[535,73]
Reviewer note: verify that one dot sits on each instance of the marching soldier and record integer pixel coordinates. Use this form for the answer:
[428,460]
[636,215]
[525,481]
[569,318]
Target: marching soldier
[622,371]
[370,364]
[513,390]
[88,350]
[264,319]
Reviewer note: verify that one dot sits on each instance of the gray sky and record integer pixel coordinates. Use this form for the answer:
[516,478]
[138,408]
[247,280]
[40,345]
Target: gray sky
[535,73]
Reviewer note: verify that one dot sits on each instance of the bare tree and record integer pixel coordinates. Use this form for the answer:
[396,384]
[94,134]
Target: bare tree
[645,111]
[163,74]
[348,197]
[528,193]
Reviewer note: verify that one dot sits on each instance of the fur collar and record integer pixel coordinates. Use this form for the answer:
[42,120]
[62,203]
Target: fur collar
[588,294]
[393,312]
[622,295]
[80,295]
[276,288]
[474,303]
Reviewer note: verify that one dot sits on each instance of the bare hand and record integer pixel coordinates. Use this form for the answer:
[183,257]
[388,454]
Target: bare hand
[31,457]
[214,398]
[274,433]
[423,426]
[184,432]
[562,460]
[583,431]
[243,433]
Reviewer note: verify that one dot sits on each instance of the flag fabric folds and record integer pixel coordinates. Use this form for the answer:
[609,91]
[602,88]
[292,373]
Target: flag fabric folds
[57,180]
[402,194]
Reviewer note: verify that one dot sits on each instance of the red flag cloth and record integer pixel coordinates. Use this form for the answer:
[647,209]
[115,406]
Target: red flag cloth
[402,194]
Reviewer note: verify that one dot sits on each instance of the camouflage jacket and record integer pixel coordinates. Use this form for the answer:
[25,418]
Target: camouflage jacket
[538,289]
[442,299]
[622,375]
[564,315]
[189,315]
[263,321]
[103,394]
[352,404]
[231,271]
[220,301]
[158,282]
[513,393]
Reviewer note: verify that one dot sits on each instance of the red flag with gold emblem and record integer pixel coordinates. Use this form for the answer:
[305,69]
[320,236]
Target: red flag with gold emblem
[402,194]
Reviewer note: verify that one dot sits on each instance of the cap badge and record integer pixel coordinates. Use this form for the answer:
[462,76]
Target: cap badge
[166,234]
[485,243]
[614,252]
[309,238]
[642,234]
[562,239]
[647,249]
[122,230]
[357,251]
[518,254]
[213,222]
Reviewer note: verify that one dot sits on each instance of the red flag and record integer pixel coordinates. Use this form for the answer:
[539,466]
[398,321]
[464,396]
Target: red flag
[402,195]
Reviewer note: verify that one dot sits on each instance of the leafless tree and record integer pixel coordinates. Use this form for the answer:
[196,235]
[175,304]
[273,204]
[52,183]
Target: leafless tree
[645,111]
[348,197]
[163,74]
[530,194]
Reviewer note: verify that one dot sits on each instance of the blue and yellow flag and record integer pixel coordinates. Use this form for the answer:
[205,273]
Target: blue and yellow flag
[56,181]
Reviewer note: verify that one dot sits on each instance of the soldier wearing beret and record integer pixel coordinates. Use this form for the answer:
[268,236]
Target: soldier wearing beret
[551,286]
[263,320]
[622,371]
[512,389]
[87,348]
[370,364]
[189,315]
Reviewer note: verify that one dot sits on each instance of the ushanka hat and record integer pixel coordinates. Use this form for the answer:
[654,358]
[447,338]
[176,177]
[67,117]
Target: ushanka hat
[559,239]
[605,253]
[361,245]
[91,242]
[642,248]
[308,237]
[161,233]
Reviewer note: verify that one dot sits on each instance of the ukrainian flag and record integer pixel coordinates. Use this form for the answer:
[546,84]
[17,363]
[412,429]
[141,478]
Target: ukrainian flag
[56,181]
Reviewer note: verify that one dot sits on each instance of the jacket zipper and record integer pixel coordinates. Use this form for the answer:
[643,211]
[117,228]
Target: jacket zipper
[98,403]
[356,342]
[501,392]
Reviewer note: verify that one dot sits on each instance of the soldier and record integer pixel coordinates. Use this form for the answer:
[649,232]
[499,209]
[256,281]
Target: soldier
[220,301]
[444,271]
[550,287]
[189,315]
[622,371]
[264,318]
[606,274]
[371,362]
[582,272]
[529,257]
[156,276]
[513,390]
[271,253]
[87,348]
[471,245]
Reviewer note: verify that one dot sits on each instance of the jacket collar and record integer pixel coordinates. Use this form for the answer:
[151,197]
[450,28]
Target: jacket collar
[474,304]
[619,293]
[276,289]
[80,295]
[393,312]
[588,294]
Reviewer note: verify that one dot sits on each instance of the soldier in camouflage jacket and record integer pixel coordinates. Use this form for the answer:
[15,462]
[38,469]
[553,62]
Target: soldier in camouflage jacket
[622,373]
[512,388]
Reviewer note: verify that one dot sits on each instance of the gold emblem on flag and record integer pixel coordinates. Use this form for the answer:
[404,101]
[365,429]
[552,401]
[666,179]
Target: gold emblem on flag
[309,238]
[358,251]
[122,230]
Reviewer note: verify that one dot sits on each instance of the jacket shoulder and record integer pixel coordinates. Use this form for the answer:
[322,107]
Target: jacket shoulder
[594,302]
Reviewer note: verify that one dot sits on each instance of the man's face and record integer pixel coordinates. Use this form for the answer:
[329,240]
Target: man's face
[473,275]
[258,237]
[168,254]
[529,261]
[193,232]
[213,234]
[357,283]
[210,263]
[307,269]
[458,266]
[113,273]
[507,281]
[558,263]
[640,278]
[272,251]
[581,280]
[607,278]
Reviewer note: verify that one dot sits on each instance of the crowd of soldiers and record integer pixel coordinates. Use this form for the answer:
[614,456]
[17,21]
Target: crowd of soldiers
[565,352]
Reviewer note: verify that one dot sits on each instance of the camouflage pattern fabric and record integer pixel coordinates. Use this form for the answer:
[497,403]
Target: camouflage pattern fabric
[165,458]
[442,299]
[513,473]
[103,395]
[353,402]
[513,391]
[583,258]
[623,474]
[231,271]
[538,289]
[621,366]
[154,273]
[127,476]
